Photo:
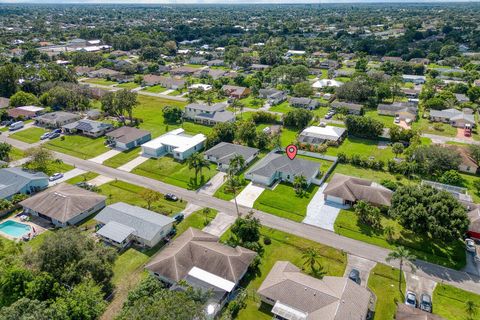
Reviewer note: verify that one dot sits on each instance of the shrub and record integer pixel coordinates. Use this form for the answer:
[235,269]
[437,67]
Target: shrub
[267,241]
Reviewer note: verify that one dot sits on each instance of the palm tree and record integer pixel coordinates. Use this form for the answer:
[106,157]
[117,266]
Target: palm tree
[235,105]
[236,164]
[405,257]
[197,162]
[389,232]
[209,99]
[311,258]
[299,184]
[470,309]
[191,98]
[233,185]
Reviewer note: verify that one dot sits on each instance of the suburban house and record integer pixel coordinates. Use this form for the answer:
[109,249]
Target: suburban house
[18,180]
[176,142]
[474,226]
[467,163]
[454,117]
[126,138]
[184,71]
[329,64]
[278,167]
[352,108]
[347,190]
[236,91]
[208,114]
[25,112]
[402,110]
[411,93]
[305,103]
[216,73]
[326,83]
[87,127]
[222,153]
[259,67]
[56,119]
[273,96]
[121,224]
[166,82]
[64,204]
[295,295]
[104,73]
[199,259]
[215,63]
[318,135]
[414,78]
[405,312]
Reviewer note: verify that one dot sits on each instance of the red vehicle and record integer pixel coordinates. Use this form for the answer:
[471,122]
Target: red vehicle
[468,130]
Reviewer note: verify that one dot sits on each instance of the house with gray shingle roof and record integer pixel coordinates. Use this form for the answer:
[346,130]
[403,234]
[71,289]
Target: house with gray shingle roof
[278,167]
[222,153]
[273,96]
[122,223]
[56,119]
[18,180]
[456,118]
[208,114]
[126,138]
[402,110]
[305,103]
[295,295]
[87,127]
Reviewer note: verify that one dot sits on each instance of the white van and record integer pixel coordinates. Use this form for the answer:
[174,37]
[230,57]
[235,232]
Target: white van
[16,125]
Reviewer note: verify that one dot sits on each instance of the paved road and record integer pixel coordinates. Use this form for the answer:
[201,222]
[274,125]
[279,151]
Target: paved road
[427,270]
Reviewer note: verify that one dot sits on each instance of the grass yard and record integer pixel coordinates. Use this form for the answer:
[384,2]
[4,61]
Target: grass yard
[363,147]
[386,120]
[283,107]
[284,247]
[383,281]
[82,178]
[122,158]
[273,201]
[451,255]
[170,171]
[155,89]
[59,166]
[425,126]
[16,154]
[364,173]
[175,93]
[288,136]
[252,103]
[78,146]
[449,302]
[29,135]
[468,183]
[102,82]
[128,85]
[117,191]
[196,220]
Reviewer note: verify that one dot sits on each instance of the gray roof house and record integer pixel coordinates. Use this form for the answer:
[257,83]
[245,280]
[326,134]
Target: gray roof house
[123,223]
[305,103]
[404,111]
[208,114]
[204,263]
[56,119]
[126,138]
[222,153]
[277,166]
[273,96]
[18,180]
[353,108]
[454,117]
[64,204]
[297,296]
[87,127]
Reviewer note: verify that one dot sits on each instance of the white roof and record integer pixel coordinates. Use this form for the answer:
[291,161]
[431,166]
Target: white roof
[31,108]
[331,132]
[296,51]
[211,279]
[288,312]
[326,83]
[203,86]
[176,139]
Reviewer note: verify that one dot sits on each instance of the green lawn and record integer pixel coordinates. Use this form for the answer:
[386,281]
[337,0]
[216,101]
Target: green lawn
[78,146]
[100,81]
[364,173]
[288,136]
[449,302]
[386,120]
[469,179]
[196,220]
[155,89]
[425,126]
[16,154]
[451,255]
[55,166]
[175,93]
[283,107]
[170,171]
[128,85]
[30,135]
[363,147]
[283,202]
[119,191]
[83,177]
[249,102]
[122,158]
[383,281]
[284,247]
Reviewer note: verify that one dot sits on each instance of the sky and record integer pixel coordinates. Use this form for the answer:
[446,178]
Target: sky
[230,1]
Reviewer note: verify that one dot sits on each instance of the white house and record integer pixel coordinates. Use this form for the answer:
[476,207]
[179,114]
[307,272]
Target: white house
[326,83]
[176,142]
[319,135]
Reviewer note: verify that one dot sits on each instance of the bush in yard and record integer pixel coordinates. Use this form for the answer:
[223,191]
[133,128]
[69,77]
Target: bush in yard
[264,117]
[246,233]
[425,210]
[398,134]
[364,127]
[452,177]
[297,119]
[438,126]
[172,114]
[23,99]
[267,241]
[368,214]
[392,185]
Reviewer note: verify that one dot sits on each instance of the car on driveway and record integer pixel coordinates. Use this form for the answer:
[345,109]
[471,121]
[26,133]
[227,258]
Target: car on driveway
[411,299]
[171,197]
[54,135]
[55,176]
[426,302]
[354,275]
[397,120]
[46,135]
[470,245]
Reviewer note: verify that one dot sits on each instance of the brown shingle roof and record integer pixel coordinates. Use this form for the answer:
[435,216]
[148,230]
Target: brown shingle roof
[354,189]
[332,298]
[195,248]
[405,312]
[63,202]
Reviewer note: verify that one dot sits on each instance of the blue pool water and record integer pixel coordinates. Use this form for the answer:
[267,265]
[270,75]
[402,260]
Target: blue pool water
[14,229]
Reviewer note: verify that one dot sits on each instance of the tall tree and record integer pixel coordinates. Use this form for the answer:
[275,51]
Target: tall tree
[311,257]
[5,150]
[8,80]
[404,257]
[197,162]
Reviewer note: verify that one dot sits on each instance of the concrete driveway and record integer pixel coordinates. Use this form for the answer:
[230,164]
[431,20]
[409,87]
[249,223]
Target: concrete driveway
[66,176]
[220,224]
[320,213]
[213,184]
[248,195]
[129,166]
[99,180]
[472,266]
[105,156]
[419,284]
[364,266]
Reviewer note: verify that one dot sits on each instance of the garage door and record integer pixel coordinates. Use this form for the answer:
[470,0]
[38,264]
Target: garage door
[335,199]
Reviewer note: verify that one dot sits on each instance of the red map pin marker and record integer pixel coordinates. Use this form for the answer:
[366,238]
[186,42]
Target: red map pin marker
[291,151]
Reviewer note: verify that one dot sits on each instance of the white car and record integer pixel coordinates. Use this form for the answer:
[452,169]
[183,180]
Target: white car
[397,119]
[470,245]
[44,136]
[55,176]
[411,299]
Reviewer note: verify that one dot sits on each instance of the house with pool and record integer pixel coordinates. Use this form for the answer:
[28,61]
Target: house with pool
[18,180]
[176,143]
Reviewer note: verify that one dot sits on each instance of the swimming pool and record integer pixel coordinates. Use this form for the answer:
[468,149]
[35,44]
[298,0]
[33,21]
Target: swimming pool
[14,229]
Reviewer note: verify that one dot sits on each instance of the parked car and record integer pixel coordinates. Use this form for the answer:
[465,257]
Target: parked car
[57,131]
[397,120]
[470,245]
[328,116]
[178,217]
[171,197]
[55,176]
[354,275]
[6,123]
[46,135]
[426,302]
[411,299]
[16,125]
[53,135]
